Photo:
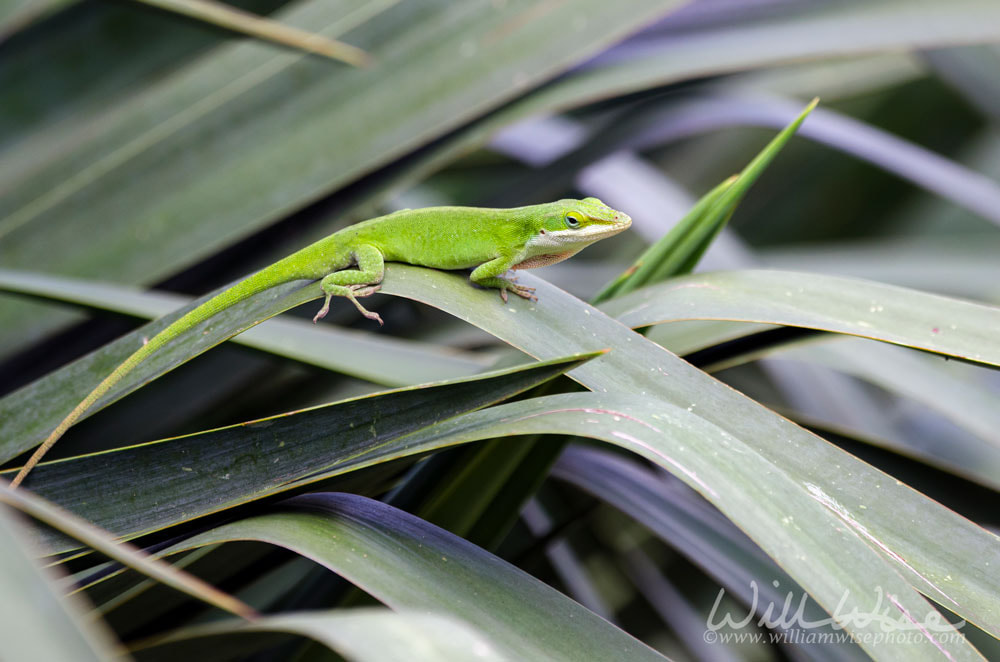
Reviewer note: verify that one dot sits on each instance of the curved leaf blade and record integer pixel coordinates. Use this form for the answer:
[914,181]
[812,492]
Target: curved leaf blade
[381,359]
[829,303]
[636,365]
[410,564]
[23,426]
[783,450]
[176,480]
[792,518]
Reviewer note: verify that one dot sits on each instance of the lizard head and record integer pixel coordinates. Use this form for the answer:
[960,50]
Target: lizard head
[584,221]
[567,227]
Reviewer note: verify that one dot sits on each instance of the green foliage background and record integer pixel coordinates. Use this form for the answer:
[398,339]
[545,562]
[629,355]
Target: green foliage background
[811,415]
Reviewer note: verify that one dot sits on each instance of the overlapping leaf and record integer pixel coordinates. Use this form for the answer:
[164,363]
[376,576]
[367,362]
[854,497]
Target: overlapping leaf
[176,480]
[722,444]
[828,303]
[409,564]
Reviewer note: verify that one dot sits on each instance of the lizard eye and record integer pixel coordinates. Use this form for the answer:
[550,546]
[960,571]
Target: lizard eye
[573,219]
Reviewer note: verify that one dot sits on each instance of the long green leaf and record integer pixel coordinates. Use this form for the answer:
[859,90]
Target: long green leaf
[739,430]
[680,249]
[828,303]
[642,270]
[180,479]
[814,537]
[840,570]
[638,366]
[378,358]
[409,564]
[23,426]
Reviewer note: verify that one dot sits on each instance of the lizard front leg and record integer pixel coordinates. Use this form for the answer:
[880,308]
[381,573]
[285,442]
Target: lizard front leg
[352,283]
[490,274]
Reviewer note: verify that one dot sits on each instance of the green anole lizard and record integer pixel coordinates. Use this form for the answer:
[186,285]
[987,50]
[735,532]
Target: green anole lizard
[488,241]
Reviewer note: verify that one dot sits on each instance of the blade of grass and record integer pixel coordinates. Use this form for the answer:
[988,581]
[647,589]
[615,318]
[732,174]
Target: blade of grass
[861,532]
[678,252]
[674,437]
[23,426]
[640,273]
[693,244]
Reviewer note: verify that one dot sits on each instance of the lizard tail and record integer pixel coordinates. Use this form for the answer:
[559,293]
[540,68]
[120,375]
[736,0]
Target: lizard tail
[65,424]
[256,283]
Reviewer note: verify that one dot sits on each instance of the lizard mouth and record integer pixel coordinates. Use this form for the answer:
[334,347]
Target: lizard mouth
[622,220]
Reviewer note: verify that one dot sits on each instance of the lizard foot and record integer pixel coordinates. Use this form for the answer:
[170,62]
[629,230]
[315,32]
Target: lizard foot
[322,311]
[520,290]
[352,292]
[363,291]
[373,316]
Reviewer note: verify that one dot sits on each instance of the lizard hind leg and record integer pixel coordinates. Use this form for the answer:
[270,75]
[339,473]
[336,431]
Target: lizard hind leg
[353,283]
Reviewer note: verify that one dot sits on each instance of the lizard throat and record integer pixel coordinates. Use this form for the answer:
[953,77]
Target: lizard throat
[544,260]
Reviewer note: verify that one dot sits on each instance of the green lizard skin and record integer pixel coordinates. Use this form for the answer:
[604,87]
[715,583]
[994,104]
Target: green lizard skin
[351,263]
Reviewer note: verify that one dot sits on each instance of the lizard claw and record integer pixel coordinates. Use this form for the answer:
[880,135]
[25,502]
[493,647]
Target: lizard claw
[353,291]
[322,311]
[524,292]
[520,290]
